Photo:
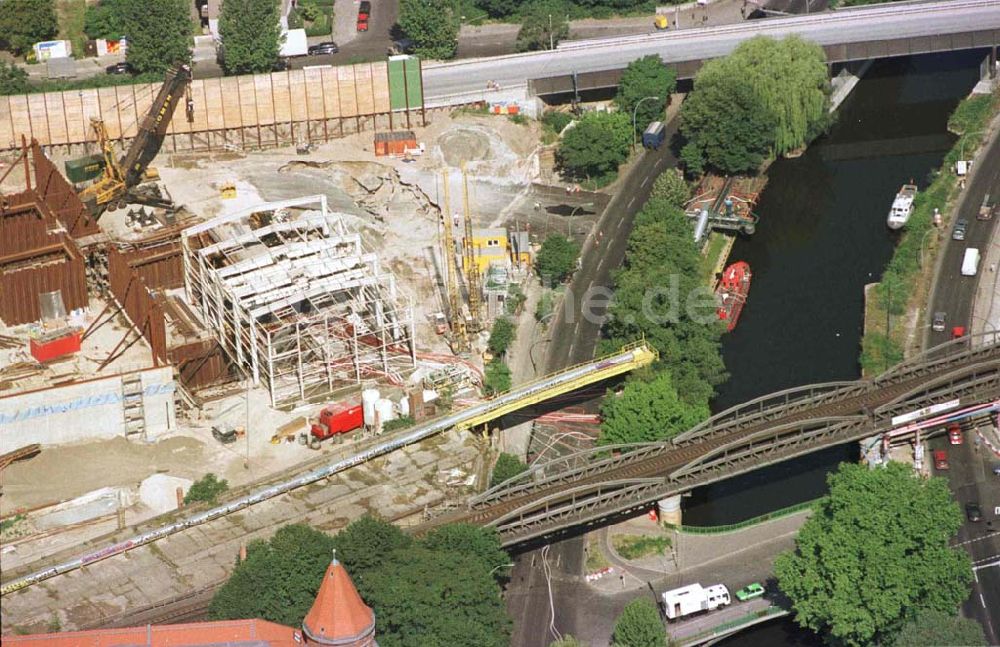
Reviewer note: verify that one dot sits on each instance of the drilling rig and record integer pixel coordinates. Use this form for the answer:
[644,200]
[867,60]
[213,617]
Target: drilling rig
[119,177]
[473,281]
[455,316]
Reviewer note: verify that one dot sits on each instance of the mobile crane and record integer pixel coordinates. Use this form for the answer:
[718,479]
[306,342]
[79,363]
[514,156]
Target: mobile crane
[119,177]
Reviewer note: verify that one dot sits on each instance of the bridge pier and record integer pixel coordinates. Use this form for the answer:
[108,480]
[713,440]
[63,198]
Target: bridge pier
[669,510]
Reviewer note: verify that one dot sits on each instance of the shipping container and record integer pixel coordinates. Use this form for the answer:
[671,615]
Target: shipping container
[84,168]
[394,143]
[56,344]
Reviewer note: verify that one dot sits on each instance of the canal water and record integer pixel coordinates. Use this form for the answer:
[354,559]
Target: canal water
[821,238]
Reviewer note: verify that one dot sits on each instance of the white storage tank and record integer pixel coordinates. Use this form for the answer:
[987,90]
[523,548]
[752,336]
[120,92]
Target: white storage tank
[368,399]
[384,410]
[404,406]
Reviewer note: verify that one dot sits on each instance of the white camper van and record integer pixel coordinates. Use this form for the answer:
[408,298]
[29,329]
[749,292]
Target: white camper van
[970,263]
[694,598]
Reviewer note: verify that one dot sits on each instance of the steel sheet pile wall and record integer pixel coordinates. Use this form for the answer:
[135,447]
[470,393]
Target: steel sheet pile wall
[34,259]
[60,197]
[199,363]
[158,267]
[143,310]
[247,111]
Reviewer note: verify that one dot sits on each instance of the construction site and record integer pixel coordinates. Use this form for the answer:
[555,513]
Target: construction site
[166,315]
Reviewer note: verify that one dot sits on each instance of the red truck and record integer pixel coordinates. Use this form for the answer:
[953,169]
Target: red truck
[337,419]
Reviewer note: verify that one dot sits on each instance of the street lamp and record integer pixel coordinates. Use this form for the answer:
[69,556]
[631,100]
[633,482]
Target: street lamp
[634,113]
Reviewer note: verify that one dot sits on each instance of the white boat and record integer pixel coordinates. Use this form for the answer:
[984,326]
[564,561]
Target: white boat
[902,207]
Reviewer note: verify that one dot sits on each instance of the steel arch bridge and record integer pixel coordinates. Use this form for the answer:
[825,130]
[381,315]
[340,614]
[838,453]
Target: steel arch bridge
[591,485]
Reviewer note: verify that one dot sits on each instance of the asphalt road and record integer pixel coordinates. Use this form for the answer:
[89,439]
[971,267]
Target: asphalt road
[574,340]
[873,22]
[970,477]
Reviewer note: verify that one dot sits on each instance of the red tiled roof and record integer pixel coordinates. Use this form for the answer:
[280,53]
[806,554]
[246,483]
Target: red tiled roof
[233,633]
[338,615]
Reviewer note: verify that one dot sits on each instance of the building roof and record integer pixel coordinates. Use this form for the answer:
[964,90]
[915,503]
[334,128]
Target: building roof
[232,633]
[491,232]
[338,615]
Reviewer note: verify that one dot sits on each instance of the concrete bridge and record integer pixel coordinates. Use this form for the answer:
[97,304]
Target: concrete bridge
[598,484]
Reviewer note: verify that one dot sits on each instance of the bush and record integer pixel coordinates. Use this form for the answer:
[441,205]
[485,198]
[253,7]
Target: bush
[557,257]
[596,145]
[501,336]
[295,19]
[321,27]
[507,467]
[556,120]
[207,489]
[401,422]
[497,378]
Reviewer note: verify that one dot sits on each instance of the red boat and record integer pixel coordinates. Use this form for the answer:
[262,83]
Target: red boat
[732,293]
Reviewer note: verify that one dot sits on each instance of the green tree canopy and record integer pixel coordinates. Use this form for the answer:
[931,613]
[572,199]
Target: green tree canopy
[647,411]
[476,542]
[645,77]
[26,22]
[104,20]
[875,551]
[251,35]
[432,25]
[639,625]
[543,25]
[557,257]
[934,628]
[158,32]
[671,187]
[596,144]
[507,467]
[207,489]
[366,542]
[13,80]
[501,336]
[497,378]
[279,579]
[500,8]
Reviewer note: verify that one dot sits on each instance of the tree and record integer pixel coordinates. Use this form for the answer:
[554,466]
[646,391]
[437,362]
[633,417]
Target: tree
[557,257]
[207,489]
[639,625]
[647,411]
[875,551]
[933,628]
[507,467]
[429,597]
[432,25]
[501,336]
[104,20]
[13,80]
[279,579]
[26,22]
[500,8]
[596,144]
[468,539]
[251,35]
[497,379]
[158,32]
[543,25]
[645,77]
[366,542]
[671,187]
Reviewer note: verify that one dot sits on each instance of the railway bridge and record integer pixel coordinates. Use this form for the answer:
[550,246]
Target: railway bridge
[593,485]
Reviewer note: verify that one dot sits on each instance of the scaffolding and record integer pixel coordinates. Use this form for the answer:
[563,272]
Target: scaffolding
[296,300]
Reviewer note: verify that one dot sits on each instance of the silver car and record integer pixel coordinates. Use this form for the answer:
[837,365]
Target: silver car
[958,233]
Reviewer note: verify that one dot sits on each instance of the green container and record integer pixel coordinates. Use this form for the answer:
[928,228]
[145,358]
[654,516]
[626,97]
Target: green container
[84,168]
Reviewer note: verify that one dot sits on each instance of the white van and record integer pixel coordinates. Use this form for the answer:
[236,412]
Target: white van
[970,263]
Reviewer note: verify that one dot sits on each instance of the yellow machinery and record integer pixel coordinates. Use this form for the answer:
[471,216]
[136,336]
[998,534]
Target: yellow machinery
[454,303]
[473,282]
[119,177]
[661,22]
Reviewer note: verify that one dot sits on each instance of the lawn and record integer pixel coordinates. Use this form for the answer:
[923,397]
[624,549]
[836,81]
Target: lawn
[637,546]
[70,14]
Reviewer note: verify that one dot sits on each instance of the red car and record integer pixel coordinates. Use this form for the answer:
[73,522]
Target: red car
[958,331]
[362,25]
[940,460]
[954,433]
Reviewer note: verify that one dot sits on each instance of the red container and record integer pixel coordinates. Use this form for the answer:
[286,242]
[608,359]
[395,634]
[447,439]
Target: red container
[49,347]
[337,419]
[394,143]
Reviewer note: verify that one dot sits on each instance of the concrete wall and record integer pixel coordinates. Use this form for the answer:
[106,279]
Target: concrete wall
[87,410]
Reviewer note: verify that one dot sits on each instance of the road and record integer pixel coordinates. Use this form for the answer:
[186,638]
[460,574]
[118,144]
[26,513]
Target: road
[574,339]
[970,477]
[874,22]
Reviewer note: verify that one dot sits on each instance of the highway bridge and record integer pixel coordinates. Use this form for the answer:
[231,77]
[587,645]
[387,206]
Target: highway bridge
[598,484]
[860,33]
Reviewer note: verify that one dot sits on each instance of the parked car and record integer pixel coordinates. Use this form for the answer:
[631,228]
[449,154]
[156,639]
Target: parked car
[996,469]
[364,10]
[118,68]
[362,23]
[973,512]
[326,47]
[961,226]
[937,323]
[954,433]
[940,459]
[750,591]
[986,209]
[958,331]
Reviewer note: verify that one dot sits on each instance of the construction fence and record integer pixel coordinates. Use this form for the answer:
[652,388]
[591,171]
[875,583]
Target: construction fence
[251,111]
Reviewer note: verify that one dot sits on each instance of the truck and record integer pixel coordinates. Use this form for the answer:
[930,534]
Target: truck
[694,598]
[337,419]
[654,135]
[294,44]
[985,209]
[970,262]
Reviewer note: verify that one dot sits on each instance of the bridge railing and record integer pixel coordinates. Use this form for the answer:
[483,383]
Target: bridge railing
[753,521]
[963,349]
[729,626]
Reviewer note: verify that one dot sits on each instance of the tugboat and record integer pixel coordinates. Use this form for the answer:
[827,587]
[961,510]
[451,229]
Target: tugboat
[902,207]
[732,293]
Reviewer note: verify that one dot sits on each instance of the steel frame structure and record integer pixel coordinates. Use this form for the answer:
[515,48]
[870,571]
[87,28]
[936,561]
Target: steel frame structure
[296,299]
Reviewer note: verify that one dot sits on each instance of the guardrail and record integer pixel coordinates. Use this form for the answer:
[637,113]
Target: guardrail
[753,521]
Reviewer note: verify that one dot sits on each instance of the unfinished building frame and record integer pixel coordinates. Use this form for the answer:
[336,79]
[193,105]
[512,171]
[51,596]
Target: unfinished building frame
[296,300]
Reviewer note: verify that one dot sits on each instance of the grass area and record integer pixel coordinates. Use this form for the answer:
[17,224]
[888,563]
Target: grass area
[70,15]
[10,522]
[884,340]
[471,14]
[637,546]
[716,244]
[595,557]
